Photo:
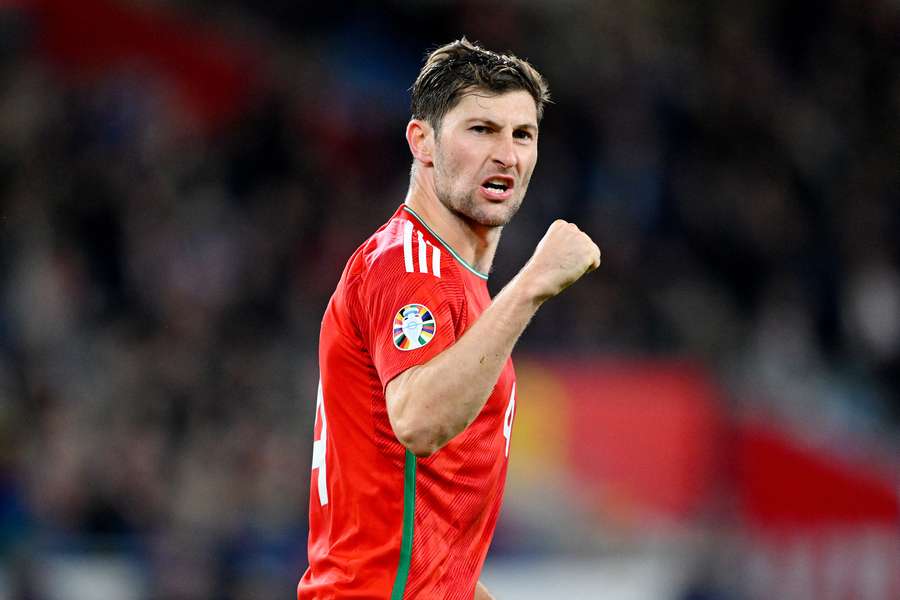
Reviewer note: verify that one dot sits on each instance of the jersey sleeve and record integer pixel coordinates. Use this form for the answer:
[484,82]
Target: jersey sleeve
[408,318]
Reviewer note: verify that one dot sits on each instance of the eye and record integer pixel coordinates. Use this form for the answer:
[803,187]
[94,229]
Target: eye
[522,134]
[479,129]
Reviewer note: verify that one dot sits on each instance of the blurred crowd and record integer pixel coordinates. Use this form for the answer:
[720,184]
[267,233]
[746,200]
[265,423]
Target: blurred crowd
[162,285]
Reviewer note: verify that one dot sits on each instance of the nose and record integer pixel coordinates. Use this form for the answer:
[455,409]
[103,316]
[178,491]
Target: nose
[505,152]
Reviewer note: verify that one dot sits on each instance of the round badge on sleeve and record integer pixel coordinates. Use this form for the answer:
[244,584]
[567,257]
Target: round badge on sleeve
[414,327]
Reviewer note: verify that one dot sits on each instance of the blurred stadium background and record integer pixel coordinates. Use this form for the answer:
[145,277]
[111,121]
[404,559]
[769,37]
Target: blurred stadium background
[712,415]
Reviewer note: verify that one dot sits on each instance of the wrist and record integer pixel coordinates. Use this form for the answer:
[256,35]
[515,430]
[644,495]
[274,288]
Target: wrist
[527,290]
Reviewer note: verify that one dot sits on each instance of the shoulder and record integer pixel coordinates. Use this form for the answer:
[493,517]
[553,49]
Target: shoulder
[402,249]
[402,265]
[402,258]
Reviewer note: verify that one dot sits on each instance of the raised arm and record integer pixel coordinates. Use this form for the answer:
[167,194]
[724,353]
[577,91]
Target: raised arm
[428,405]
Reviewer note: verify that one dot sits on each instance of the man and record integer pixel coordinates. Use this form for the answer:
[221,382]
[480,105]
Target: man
[417,392]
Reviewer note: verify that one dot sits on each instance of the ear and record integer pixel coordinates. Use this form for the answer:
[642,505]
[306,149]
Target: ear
[420,137]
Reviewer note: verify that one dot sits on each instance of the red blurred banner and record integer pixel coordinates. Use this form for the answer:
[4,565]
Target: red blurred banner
[650,443]
[815,525]
[643,433]
[783,484]
[213,77]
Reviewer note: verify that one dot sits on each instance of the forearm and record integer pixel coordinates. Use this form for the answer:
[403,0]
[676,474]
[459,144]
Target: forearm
[430,404]
[435,401]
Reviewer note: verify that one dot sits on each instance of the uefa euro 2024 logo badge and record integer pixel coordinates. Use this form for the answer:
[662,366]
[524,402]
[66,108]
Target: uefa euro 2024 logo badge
[413,327]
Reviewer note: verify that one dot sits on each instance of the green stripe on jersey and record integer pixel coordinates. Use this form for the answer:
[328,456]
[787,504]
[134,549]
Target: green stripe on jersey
[406,539]
[444,244]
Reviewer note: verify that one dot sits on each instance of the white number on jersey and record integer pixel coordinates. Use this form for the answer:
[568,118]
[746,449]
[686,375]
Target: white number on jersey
[318,457]
[508,419]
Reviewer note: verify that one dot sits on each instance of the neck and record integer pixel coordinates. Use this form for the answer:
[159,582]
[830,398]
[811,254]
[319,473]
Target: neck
[475,243]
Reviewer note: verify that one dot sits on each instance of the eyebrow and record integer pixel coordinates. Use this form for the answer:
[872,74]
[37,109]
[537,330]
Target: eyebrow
[529,126]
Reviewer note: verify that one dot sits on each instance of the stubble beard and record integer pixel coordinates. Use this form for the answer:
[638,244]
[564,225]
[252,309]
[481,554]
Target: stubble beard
[467,207]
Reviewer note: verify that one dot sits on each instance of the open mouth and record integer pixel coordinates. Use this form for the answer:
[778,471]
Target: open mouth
[498,186]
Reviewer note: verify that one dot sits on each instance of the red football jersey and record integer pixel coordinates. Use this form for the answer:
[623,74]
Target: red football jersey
[383,523]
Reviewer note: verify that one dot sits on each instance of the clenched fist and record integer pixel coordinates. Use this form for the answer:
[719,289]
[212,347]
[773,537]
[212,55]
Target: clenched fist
[560,259]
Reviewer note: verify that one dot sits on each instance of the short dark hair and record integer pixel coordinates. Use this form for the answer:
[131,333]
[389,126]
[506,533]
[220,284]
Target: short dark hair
[460,67]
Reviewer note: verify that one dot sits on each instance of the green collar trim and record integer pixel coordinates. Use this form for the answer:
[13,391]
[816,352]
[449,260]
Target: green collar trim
[445,244]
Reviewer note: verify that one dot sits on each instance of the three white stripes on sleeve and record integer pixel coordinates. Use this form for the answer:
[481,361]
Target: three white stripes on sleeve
[423,252]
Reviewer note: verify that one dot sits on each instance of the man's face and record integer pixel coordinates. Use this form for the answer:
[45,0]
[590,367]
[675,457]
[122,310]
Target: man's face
[485,152]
